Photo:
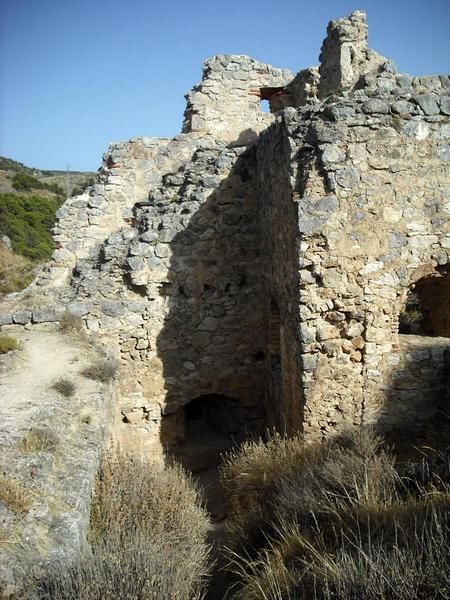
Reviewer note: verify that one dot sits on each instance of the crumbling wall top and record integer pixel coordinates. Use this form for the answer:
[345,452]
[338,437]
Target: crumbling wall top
[227,102]
[345,57]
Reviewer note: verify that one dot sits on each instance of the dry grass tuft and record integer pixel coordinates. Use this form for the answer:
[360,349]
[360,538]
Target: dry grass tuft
[15,495]
[38,439]
[70,323]
[340,522]
[148,539]
[101,370]
[8,343]
[249,477]
[64,386]
[16,272]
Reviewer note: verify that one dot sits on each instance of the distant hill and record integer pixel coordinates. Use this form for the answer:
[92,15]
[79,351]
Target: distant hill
[70,182]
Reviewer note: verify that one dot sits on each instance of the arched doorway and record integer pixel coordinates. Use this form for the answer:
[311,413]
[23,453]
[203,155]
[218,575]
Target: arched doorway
[199,432]
[427,308]
[208,426]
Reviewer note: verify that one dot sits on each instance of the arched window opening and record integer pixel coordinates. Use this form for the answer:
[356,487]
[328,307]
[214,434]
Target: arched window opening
[265,106]
[274,99]
[427,308]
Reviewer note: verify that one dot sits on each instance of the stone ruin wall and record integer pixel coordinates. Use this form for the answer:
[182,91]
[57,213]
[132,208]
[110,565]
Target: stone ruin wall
[368,175]
[273,273]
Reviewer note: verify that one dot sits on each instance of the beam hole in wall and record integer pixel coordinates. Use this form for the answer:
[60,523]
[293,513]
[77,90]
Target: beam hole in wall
[259,356]
[273,99]
[427,307]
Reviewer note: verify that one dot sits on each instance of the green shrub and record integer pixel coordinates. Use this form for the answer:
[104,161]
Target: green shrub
[8,343]
[25,182]
[16,272]
[8,164]
[101,370]
[147,538]
[27,221]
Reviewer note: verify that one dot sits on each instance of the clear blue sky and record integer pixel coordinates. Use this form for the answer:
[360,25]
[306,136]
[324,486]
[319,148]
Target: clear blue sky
[78,74]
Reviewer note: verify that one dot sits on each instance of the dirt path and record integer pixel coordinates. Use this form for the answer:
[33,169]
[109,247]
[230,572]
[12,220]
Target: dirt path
[44,357]
[50,446]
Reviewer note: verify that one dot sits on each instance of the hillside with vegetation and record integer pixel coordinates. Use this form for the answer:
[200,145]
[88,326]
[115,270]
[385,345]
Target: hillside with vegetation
[29,199]
[68,183]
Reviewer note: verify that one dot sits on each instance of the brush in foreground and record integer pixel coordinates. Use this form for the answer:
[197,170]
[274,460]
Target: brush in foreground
[337,521]
[64,386]
[148,535]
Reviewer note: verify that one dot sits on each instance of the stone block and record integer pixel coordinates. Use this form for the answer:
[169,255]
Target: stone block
[376,106]
[428,103]
[6,319]
[46,315]
[22,317]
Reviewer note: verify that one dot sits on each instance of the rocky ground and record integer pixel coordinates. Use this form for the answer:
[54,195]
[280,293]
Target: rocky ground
[49,452]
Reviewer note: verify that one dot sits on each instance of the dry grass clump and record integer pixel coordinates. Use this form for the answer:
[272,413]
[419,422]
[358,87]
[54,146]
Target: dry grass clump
[148,536]
[38,439]
[101,370]
[342,524]
[16,272]
[64,386]
[70,323]
[15,495]
[8,343]
[249,477]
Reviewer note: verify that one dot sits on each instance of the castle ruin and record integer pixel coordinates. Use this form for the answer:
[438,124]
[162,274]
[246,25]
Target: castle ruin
[253,270]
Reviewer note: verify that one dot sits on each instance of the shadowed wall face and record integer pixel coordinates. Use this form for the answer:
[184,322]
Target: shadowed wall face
[207,275]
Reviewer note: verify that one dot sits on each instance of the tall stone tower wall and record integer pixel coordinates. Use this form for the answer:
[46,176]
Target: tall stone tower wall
[364,181]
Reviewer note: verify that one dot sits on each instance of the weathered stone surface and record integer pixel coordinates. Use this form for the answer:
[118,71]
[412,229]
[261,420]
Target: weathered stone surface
[233,86]
[56,474]
[22,317]
[445,104]
[45,315]
[428,103]
[345,57]
[6,318]
[374,105]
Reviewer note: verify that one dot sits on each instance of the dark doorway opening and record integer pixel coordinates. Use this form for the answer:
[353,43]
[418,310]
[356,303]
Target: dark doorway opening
[427,308]
[212,425]
[199,433]
[208,426]
[194,411]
